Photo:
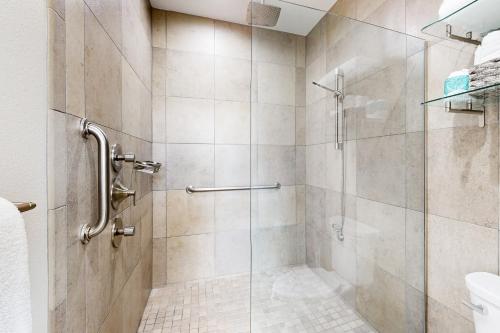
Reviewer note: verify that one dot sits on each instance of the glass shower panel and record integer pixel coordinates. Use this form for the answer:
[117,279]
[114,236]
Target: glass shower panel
[341,244]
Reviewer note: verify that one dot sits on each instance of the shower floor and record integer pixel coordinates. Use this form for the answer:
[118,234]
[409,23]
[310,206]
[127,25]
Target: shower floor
[288,299]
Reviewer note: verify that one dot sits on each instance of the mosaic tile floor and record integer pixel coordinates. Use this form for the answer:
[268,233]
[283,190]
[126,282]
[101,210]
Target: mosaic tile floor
[291,299]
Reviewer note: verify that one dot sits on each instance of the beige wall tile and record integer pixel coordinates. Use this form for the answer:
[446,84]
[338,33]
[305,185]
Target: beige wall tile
[420,13]
[159,214]
[456,249]
[190,75]
[316,42]
[380,298]
[314,72]
[56,160]
[415,171]
[75,54]
[233,40]
[300,54]
[159,119]
[316,165]
[190,165]
[232,165]
[276,84]
[232,122]
[389,14]
[273,47]
[232,252]
[300,87]
[316,116]
[189,214]
[190,257]
[75,303]
[380,169]
[415,249]
[273,124]
[136,104]
[57,252]
[300,126]
[159,262]
[103,77]
[159,79]
[109,15]
[300,164]
[160,155]
[159,28]
[190,120]
[273,164]
[232,79]
[56,61]
[469,159]
[190,33]
[232,211]
[274,208]
[443,319]
[58,6]
[274,247]
[386,245]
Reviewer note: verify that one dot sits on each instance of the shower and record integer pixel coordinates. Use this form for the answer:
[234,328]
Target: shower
[337,77]
[262,14]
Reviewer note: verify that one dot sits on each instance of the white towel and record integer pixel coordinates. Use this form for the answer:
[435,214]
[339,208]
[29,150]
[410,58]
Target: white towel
[15,301]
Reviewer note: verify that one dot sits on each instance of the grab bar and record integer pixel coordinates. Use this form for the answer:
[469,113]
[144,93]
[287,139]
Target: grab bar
[87,232]
[190,189]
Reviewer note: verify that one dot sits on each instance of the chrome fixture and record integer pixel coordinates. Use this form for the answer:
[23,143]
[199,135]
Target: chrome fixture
[119,193]
[190,189]
[475,307]
[24,206]
[118,157]
[148,167]
[258,13]
[119,231]
[466,39]
[468,110]
[87,232]
[338,92]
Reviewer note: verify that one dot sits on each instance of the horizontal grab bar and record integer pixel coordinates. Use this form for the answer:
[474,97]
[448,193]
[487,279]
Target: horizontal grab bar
[190,189]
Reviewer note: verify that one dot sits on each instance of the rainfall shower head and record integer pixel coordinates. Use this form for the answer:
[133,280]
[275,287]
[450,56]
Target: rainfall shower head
[262,14]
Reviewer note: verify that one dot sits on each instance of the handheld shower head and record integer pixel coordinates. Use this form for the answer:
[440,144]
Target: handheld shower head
[261,14]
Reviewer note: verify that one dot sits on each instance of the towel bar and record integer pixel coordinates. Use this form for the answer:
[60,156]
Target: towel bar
[24,206]
[190,189]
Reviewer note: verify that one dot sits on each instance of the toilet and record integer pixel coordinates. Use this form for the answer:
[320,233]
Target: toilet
[484,291]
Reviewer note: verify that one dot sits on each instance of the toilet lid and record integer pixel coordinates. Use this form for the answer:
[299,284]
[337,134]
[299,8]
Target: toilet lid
[484,285]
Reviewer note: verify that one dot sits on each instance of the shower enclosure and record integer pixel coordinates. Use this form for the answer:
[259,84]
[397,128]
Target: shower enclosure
[294,177]
[337,120]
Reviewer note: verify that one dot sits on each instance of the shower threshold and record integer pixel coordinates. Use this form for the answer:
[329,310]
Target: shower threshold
[286,299]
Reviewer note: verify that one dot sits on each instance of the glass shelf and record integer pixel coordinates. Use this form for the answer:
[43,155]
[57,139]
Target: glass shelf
[478,17]
[477,95]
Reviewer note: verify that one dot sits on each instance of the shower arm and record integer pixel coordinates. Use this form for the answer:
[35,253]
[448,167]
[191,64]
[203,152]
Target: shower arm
[87,232]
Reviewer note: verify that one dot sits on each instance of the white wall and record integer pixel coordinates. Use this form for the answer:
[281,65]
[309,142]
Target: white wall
[23,113]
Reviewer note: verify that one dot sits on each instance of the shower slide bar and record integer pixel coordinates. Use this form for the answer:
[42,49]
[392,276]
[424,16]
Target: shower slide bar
[190,189]
[88,231]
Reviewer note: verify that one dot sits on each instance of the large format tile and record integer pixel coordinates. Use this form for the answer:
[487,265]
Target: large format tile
[455,249]
[462,178]
[190,257]
[108,13]
[57,252]
[273,124]
[159,214]
[386,246]
[103,76]
[159,28]
[159,262]
[233,40]
[189,120]
[191,164]
[56,160]
[273,46]
[380,171]
[75,57]
[190,75]
[389,14]
[276,84]
[232,122]
[232,210]
[271,164]
[232,79]
[56,61]
[190,33]
[136,105]
[232,165]
[274,247]
[443,319]
[232,252]
[272,208]
[189,214]
[316,165]
[415,249]
[415,171]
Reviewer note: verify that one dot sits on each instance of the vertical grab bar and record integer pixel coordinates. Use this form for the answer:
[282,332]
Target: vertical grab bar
[339,108]
[87,232]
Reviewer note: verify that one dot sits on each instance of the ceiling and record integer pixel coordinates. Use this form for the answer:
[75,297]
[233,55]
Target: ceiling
[297,16]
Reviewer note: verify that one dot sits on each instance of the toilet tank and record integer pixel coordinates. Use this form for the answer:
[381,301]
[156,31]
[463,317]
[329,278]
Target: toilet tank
[484,291]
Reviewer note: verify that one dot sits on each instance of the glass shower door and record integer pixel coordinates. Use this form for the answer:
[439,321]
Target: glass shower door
[340,246]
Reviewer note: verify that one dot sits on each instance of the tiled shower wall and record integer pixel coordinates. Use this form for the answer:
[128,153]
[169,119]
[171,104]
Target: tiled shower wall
[382,255]
[99,68]
[207,75]
[462,168]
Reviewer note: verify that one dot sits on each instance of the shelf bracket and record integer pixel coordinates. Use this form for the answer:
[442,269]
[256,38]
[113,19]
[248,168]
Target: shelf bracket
[468,110]
[466,39]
